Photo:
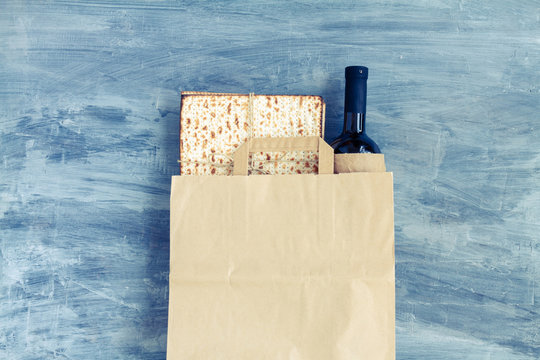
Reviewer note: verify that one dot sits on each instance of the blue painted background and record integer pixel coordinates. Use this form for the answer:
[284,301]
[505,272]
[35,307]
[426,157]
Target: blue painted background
[89,108]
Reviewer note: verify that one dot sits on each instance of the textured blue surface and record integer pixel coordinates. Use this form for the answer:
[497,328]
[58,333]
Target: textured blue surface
[89,107]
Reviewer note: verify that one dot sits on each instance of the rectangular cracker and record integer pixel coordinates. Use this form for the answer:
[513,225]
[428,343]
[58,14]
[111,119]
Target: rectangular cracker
[214,125]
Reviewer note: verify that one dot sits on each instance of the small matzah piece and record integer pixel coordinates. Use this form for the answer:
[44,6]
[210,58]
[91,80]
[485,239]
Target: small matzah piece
[214,125]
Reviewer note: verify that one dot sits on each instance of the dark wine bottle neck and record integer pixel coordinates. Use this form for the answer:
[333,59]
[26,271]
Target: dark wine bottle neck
[354,123]
[355,99]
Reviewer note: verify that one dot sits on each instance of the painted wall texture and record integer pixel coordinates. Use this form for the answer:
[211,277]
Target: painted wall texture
[89,108]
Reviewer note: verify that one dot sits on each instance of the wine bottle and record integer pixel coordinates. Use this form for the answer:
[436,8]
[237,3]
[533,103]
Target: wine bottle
[353,139]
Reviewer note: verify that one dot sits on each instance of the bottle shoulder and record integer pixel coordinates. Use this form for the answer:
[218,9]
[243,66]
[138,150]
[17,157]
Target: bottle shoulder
[354,143]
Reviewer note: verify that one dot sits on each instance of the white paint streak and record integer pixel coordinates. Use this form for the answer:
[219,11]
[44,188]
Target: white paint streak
[108,297]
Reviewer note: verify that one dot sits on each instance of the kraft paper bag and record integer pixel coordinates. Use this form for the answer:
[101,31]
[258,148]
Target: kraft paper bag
[282,266]
[347,163]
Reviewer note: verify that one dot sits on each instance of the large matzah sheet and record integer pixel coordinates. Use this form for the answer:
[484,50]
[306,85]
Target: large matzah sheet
[213,125]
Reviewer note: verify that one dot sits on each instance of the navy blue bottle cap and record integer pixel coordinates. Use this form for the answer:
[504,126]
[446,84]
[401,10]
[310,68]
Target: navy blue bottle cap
[356,72]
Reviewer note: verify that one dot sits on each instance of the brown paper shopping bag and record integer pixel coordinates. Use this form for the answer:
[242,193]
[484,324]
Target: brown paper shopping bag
[284,266]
